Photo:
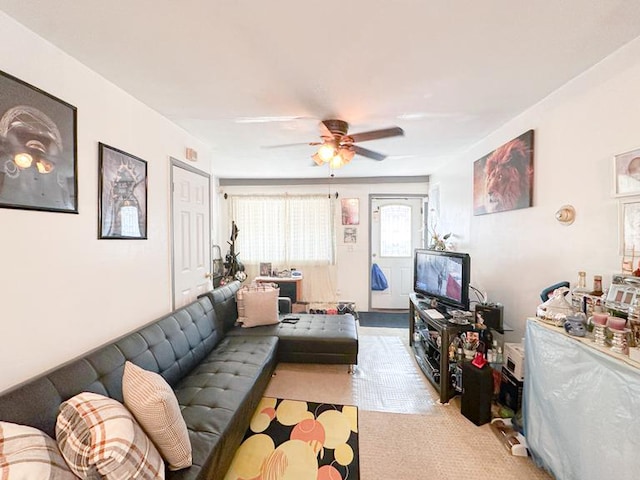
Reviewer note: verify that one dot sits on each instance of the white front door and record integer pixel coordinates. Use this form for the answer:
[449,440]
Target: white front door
[191,219]
[396,231]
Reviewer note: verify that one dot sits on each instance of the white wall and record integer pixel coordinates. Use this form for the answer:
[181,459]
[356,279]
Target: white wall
[578,130]
[352,260]
[63,291]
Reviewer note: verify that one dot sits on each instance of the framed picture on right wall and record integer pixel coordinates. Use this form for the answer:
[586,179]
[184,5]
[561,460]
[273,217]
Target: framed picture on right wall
[629,221]
[503,179]
[627,173]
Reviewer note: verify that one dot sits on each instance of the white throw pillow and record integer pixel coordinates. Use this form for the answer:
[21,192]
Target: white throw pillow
[152,401]
[253,287]
[260,307]
[26,453]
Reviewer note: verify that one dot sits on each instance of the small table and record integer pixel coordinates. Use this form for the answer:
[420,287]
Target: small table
[289,286]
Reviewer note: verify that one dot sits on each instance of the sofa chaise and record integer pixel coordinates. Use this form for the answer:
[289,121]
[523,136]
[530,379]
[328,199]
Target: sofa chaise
[217,370]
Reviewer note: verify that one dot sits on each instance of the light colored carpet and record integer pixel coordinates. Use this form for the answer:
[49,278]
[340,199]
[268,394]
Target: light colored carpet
[418,440]
[386,380]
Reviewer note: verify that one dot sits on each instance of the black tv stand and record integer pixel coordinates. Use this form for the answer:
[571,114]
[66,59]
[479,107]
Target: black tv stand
[426,304]
[430,339]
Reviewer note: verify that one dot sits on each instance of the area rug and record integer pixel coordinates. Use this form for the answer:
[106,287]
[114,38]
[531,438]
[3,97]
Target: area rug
[296,440]
[384,319]
[387,378]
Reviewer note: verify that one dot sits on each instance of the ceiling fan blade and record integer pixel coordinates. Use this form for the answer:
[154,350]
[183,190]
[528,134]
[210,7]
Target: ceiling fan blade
[375,134]
[365,152]
[324,130]
[284,145]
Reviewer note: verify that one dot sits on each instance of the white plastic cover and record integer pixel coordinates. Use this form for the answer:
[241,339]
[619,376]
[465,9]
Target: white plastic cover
[581,407]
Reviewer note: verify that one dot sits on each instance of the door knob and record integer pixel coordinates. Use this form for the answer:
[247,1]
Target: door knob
[208,275]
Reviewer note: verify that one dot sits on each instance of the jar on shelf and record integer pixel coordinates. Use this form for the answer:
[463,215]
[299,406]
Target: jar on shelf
[634,323]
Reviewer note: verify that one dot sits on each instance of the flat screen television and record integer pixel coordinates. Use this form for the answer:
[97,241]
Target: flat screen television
[442,276]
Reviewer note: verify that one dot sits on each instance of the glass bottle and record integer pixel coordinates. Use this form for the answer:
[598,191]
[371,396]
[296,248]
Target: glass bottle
[578,292]
[597,286]
[594,298]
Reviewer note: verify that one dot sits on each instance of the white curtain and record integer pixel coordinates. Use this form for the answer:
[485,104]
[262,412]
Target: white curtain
[289,231]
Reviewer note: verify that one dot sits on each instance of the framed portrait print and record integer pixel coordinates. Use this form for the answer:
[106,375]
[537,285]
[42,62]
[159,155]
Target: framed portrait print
[38,150]
[627,173]
[629,221]
[122,195]
[350,235]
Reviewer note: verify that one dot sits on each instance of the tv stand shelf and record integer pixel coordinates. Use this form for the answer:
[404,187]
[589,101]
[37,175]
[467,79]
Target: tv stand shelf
[430,339]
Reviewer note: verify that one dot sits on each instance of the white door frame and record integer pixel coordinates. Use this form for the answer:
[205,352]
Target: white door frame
[391,196]
[175,163]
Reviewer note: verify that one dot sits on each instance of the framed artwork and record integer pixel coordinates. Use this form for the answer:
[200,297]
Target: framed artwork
[122,195]
[350,211]
[503,179]
[350,235]
[38,149]
[265,269]
[627,173]
[629,221]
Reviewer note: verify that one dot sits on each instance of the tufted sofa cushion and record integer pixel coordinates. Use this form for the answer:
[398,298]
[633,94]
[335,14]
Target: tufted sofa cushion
[171,346]
[218,399]
[312,339]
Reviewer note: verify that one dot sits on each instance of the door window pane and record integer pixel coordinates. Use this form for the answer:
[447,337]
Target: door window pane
[395,231]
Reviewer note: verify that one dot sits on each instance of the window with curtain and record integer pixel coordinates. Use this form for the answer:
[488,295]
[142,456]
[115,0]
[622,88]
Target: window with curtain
[286,230]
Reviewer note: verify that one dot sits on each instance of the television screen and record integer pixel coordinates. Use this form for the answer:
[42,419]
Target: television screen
[443,276]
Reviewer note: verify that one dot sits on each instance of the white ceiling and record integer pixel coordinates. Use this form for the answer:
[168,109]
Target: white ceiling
[447,72]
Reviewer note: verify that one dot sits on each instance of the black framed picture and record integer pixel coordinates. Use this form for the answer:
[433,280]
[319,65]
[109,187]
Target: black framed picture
[38,149]
[122,195]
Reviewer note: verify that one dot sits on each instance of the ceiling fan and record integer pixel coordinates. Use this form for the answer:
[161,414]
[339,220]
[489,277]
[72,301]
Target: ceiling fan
[338,148]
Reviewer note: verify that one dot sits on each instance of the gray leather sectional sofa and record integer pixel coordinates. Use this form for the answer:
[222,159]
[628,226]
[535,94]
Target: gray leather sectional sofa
[217,370]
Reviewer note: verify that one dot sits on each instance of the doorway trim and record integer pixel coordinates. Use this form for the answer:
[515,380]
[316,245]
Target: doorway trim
[391,196]
[175,163]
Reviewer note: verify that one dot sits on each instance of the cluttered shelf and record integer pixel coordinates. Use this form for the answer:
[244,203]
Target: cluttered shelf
[443,341]
[588,341]
[584,392]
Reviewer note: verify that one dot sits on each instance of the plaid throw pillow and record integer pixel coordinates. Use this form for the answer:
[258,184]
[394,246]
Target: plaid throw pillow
[247,289]
[26,452]
[98,435]
[154,405]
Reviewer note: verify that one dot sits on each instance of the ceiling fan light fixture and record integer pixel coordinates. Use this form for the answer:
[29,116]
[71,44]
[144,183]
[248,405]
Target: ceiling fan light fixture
[316,158]
[326,152]
[347,154]
[337,162]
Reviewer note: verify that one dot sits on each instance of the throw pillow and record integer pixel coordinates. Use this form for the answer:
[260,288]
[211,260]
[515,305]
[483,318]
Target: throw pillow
[97,435]
[154,405]
[27,453]
[254,287]
[261,307]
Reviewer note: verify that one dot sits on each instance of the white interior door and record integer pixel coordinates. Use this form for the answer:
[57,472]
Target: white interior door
[396,231]
[191,218]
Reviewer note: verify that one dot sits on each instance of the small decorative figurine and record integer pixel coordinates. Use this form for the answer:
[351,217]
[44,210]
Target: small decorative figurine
[575,324]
